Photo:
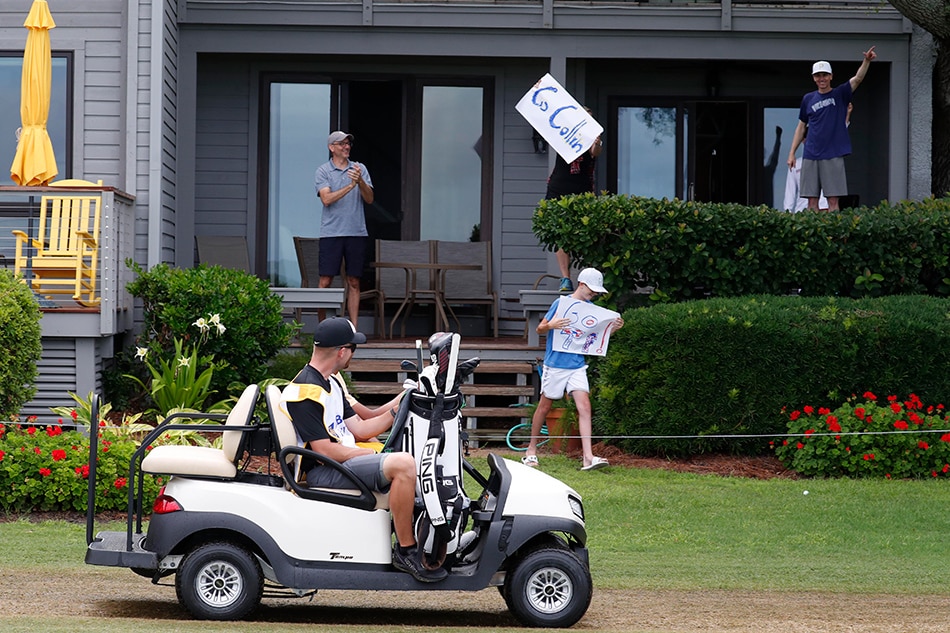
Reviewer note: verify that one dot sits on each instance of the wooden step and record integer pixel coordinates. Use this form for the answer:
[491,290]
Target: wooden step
[496,412]
[362,387]
[489,366]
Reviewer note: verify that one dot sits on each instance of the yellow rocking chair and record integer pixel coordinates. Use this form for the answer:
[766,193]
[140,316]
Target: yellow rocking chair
[67,248]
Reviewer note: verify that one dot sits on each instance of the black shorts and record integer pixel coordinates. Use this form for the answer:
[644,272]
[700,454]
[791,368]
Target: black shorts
[335,250]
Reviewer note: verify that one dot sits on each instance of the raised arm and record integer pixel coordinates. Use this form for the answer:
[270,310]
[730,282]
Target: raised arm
[869,56]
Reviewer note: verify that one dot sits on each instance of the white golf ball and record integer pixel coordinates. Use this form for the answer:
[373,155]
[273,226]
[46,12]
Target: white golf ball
[805,493]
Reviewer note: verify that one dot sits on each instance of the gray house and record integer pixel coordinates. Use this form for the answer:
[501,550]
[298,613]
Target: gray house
[212,115]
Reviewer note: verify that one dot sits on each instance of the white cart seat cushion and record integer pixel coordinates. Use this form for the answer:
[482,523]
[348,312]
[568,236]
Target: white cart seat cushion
[196,461]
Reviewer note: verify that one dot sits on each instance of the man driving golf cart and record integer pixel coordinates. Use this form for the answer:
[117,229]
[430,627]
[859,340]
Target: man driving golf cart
[327,424]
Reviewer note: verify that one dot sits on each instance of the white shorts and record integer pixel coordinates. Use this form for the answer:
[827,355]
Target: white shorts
[556,382]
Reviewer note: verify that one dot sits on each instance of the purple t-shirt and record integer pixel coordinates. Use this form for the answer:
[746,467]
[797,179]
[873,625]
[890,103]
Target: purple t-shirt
[825,116]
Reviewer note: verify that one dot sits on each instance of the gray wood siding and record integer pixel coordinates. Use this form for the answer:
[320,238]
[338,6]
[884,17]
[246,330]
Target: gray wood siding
[523,182]
[66,365]
[222,153]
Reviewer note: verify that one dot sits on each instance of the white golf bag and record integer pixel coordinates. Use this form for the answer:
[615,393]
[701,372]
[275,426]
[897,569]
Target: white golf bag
[431,433]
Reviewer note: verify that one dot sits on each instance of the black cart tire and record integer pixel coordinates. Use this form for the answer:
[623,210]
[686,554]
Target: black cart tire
[549,588]
[219,581]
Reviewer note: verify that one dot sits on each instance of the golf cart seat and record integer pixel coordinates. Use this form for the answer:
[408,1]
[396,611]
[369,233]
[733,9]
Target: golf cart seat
[290,450]
[203,461]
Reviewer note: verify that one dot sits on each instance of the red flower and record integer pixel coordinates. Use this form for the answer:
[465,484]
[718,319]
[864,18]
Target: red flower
[120,482]
[868,456]
[809,432]
[887,476]
[913,417]
[869,396]
[59,454]
[933,472]
[946,468]
[83,470]
[799,446]
[833,425]
[37,450]
[900,425]
[74,415]
[785,442]
[922,444]
[895,407]
[31,430]
[859,413]
[892,398]
[102,422]
[1,455]
[808,410]
[824,411]
[46,472]
[795,415]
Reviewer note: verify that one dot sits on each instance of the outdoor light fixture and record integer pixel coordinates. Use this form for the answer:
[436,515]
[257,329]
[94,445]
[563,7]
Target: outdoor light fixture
[540,145]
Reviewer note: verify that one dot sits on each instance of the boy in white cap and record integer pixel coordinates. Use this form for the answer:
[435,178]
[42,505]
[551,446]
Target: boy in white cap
[824,112]
[566,373]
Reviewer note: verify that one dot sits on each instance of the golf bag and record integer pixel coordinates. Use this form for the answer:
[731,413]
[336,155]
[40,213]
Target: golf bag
[431,433]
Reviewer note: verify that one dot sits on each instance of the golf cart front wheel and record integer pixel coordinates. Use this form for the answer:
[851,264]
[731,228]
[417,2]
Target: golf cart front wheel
[549,588]
[219,581]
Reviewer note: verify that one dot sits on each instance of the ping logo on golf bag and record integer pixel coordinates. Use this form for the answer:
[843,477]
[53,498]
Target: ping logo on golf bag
[427,467]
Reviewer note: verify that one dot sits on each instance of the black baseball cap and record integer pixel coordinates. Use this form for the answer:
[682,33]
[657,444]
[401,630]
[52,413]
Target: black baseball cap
[336,332]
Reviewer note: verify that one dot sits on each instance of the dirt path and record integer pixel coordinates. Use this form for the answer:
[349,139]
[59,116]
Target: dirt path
[93,592]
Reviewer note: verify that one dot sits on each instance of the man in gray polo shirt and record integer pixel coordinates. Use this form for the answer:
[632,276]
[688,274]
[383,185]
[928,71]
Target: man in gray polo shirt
[343,186]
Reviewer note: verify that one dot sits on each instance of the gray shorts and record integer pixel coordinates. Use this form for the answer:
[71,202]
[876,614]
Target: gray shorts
[366,468]
[823,176]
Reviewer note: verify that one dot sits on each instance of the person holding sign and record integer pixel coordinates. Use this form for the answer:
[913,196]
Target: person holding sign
[568,179]
[565,372]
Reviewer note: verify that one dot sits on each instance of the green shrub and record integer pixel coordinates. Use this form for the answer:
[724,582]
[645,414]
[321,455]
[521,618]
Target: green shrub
[867,438]
[47,468]
[689,250]
[288,364]
[20,344]
[173,299]
[730,366]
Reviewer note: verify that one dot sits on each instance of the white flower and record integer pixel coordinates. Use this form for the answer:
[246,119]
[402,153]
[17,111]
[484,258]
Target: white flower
[184,361]
[215,319]
[221,329]
[201,324]
[141,353]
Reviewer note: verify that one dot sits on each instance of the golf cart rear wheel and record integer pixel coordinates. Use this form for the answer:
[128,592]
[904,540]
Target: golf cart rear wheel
[549,588]
[219,581]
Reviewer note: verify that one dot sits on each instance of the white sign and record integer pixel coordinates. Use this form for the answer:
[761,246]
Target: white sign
[589,330]
[559,119]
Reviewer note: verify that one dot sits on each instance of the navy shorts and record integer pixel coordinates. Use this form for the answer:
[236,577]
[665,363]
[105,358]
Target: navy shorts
[335,250]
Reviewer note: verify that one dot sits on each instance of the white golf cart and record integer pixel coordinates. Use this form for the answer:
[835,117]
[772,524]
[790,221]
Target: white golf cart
[226,532]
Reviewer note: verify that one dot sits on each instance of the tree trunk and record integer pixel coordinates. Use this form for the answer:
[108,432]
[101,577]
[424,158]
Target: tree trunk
[940,151]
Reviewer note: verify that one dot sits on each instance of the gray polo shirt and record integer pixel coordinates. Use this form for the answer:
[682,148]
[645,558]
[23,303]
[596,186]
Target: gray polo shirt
[344,217]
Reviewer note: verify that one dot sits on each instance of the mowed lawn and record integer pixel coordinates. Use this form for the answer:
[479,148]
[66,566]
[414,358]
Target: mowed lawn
[648,530]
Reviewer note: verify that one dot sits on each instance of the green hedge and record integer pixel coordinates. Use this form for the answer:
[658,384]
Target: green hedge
[729,366]
[20,344]
[688,250]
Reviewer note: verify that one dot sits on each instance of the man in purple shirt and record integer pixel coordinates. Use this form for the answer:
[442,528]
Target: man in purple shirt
[823,112]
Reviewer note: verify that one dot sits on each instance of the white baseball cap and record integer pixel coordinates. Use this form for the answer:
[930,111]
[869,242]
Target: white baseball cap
[593,279]
[820,67]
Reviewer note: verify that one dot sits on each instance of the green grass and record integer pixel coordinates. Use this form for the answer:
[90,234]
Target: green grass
[653,529]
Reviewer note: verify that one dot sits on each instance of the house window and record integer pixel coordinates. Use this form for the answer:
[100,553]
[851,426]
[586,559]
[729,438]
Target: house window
[451,173]
[299,125]
[647,156]
[58,123]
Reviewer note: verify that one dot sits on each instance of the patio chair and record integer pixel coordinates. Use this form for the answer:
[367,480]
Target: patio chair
[227,251]
[468,287]
[308,259]
[67,248]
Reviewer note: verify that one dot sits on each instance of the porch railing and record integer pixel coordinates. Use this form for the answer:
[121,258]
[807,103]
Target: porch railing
[62,316]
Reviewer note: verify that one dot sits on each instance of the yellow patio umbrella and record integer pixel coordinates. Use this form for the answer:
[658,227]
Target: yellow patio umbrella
[35,161]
